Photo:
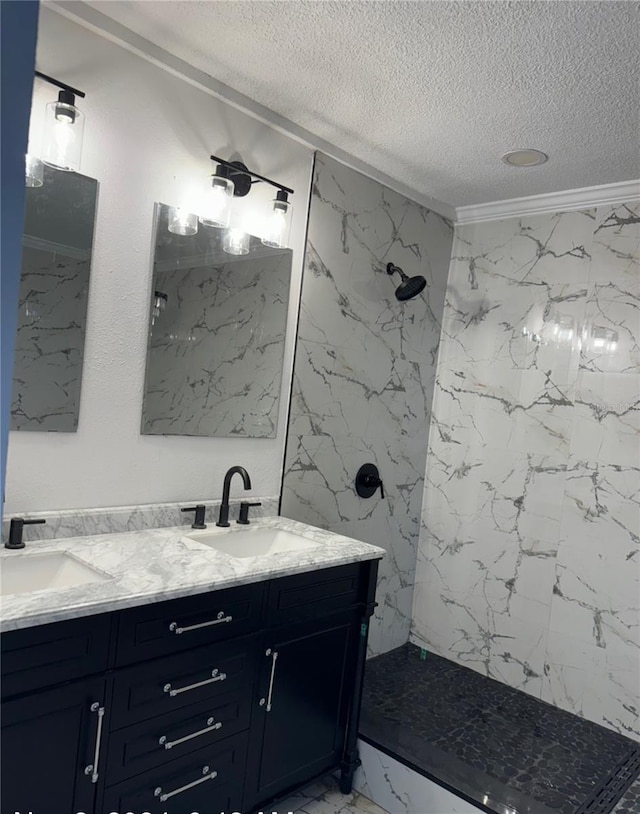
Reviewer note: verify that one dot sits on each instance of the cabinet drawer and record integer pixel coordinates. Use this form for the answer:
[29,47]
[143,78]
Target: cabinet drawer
[307,596]
[180,624]
[50,654]
[167,684]
[152,743]
[206,781]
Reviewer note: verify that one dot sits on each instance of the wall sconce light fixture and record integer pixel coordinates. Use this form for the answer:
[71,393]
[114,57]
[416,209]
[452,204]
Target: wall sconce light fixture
[63,128]
[236,241]
[235,179]
[216,207]
[182,222]
[33,171]
[279,222]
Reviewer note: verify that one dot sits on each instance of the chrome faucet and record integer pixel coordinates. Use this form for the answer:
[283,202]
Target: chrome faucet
[223,518]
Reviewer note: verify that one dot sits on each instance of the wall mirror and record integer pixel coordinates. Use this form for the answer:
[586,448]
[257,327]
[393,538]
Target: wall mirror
[52,309]
[216,332]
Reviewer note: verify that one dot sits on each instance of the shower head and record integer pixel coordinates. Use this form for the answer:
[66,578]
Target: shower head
[410,287]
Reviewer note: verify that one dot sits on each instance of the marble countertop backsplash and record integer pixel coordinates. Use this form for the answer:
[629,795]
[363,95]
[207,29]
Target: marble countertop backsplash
[156,564]
[114,519]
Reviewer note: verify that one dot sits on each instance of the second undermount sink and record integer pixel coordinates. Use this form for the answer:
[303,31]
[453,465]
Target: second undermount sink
[260,543]
[27,573]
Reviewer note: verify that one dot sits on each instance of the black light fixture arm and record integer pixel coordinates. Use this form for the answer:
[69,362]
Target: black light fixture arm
[234,167]
[60,85]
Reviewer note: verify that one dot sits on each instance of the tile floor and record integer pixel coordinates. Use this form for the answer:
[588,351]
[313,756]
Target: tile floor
[324,797]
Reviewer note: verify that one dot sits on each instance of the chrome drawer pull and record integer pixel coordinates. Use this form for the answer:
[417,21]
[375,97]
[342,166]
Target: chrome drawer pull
[216,675]
[274,658]
[164,796]
[210,727]
[175,628]
[92,768]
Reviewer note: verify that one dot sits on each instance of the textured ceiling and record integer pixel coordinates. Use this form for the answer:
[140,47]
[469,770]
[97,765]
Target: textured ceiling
[432,93]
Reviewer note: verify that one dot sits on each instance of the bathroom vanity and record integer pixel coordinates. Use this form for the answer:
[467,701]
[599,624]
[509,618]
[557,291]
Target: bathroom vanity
[221,700]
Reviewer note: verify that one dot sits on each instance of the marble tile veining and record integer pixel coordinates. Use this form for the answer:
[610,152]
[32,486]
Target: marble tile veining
[324,797]
[54,289]
[215,355]
[400,790]
[52,307]
[364,375]
[615,253]
[528,566]
[118,519]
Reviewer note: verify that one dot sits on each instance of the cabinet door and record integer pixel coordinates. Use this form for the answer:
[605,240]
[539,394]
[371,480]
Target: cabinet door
[301,714]
[48,744]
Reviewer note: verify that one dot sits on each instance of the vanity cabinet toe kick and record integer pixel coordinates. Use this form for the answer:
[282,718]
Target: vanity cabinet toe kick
[223,701]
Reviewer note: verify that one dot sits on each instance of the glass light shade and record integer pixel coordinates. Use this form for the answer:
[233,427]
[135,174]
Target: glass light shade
[34,171]
[182,222]
[63,133]
[559,329]
[278,225]
[236,241]
[604,340]
[216,207]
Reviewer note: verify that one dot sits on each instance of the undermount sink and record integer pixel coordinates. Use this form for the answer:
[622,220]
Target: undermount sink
[244,544]
[27,573]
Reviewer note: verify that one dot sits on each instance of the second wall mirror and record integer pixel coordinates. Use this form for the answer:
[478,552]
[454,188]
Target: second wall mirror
[217,330]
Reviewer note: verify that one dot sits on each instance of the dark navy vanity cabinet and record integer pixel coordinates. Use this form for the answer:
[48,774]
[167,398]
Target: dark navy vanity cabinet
[48,746]
[217,702]
[305,688]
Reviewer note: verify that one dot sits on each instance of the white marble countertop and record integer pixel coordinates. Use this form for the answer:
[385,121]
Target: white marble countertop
[157,564]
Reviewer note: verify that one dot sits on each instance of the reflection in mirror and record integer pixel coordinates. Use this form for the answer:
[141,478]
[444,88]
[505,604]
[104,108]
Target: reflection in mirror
[216,339]
[52,309]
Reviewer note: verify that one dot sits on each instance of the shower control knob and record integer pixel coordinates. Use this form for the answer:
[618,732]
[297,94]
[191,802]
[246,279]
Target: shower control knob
[368,481]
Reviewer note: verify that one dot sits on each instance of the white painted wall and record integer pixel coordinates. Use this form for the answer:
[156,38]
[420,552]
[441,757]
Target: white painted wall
[148,137]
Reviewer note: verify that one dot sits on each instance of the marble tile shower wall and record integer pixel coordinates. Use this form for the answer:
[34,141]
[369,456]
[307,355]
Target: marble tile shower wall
[529,560]
[364,372]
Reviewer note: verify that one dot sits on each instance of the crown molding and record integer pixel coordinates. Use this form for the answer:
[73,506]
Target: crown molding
[567,200]
[88,17]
